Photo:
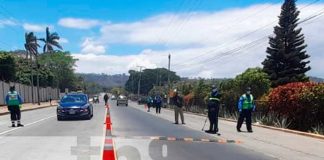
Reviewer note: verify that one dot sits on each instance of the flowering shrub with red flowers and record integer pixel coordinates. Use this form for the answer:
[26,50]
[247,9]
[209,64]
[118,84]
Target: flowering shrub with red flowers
[301,102]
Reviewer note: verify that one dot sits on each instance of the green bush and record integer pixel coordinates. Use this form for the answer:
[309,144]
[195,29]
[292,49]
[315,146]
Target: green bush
[232,89]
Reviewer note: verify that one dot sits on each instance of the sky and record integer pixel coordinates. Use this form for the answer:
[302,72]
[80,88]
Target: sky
[206,38]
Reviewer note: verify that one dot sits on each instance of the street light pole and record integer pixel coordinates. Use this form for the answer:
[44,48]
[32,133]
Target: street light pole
[139,81]
[37,65]
[169,85]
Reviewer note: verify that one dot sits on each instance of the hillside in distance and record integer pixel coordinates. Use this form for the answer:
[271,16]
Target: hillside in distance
[104,80]
[316,79]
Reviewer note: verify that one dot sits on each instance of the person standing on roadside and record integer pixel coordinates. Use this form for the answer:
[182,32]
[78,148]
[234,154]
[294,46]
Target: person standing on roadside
[158,103]
[178,107]
[213,110]
[106,97]
[149,103]
[13,101]
[246,106]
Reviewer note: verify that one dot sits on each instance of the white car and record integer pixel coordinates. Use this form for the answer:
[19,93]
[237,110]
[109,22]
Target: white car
[122,100]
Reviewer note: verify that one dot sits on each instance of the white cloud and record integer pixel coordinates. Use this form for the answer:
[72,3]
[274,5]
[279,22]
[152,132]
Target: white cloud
[91,47]
[92,63]
[187,29]
[7,22]
[209,34]
[63,40]
[36,27]
[78,23]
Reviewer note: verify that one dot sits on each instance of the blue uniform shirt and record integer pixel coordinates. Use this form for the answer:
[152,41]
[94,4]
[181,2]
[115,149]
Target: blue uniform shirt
[19,98]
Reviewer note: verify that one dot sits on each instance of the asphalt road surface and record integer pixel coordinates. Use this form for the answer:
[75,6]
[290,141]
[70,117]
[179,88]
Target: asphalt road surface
[45,138]
[136,135]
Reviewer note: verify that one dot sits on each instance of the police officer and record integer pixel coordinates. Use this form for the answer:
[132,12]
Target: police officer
[177,101]
[158,103]
[106,97]
[149,103]
[246,106]
[13,101]
[213,109]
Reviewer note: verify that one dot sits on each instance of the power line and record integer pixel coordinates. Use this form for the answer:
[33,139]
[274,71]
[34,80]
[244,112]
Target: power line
[172,19]
[252,44]
[185,21]
[241,20]
[239,38]
[227,53]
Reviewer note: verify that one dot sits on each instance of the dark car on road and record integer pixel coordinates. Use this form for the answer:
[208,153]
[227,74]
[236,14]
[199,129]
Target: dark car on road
[74,105]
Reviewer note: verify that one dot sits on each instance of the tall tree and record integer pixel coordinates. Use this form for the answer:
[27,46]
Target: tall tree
[31,47]
[287,59]
[7,67]
[31,44]
[149,79]
[61,64]
[51,40]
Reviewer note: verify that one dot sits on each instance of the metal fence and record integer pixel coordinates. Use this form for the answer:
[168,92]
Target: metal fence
[25,92]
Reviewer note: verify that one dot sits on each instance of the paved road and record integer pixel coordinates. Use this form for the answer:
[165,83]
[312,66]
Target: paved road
[45,138]
[134,130]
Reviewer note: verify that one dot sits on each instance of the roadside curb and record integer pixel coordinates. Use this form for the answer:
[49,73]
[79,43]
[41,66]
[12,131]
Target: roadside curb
[29,109]
[311,135]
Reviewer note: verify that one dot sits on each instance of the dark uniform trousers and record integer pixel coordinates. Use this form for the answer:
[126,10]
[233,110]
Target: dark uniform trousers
[158,107]
[14,113]
[213,110]
[245,114]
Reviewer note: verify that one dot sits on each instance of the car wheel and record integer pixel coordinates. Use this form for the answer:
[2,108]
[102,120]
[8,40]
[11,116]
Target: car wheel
[59,118]
[89,117]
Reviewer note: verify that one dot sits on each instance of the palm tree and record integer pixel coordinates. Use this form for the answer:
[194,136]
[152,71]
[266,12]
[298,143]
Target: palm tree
[31,47]
[51,40]
[31,44]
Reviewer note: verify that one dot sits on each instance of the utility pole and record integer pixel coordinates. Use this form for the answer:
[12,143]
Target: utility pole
[133,88]
[38,96]
[32,75]
[169,85]
[139,82]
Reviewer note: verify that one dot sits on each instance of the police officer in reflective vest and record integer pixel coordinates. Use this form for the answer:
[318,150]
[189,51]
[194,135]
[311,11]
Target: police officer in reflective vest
[246,106]
[213,109]
[13,101]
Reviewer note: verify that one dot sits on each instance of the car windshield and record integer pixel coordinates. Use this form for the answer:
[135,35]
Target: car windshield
[74,99]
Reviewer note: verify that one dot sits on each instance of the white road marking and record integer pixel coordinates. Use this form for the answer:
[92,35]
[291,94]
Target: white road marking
[26,125]
[164,151]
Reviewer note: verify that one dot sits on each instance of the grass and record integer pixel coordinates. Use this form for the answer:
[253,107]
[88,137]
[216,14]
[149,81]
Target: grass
[270,119]
[318,129]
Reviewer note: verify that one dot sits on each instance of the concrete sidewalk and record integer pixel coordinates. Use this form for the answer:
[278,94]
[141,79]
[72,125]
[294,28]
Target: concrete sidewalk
[273,143]
[28,106]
